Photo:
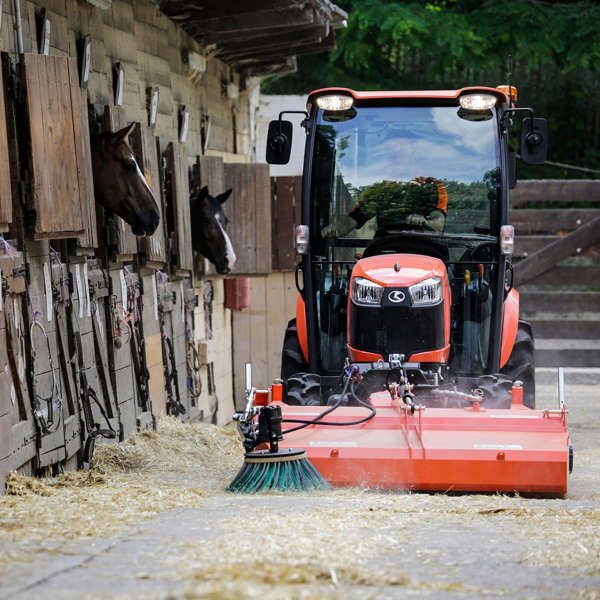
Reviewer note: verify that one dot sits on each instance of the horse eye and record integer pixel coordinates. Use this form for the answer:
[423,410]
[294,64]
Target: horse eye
[205,220]
[130,167]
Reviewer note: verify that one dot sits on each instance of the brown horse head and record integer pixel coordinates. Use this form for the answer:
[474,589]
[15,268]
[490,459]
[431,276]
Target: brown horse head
[120,185]
[208,230]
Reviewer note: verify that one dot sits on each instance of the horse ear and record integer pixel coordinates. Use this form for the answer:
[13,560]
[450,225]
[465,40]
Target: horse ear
[121,135]
[203,193]
[222,197]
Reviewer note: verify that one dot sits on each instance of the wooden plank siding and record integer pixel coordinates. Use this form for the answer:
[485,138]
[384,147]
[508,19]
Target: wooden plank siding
[286,203]
[60,189]
[144,144]
[5,181]
[249,213]
[177,164]
[115,119]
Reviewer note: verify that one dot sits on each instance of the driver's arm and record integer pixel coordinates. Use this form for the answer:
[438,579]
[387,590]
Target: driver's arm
[437,219]
[339,229]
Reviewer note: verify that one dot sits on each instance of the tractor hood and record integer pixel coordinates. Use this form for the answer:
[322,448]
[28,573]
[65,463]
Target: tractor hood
[383,269]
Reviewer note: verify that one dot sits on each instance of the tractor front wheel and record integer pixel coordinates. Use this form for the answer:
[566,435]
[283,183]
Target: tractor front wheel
[520,365]
[299,387]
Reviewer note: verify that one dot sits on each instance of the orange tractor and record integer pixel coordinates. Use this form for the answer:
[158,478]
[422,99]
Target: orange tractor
[407,366]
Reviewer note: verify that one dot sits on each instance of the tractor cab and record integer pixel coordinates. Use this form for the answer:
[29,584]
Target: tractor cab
[406,245]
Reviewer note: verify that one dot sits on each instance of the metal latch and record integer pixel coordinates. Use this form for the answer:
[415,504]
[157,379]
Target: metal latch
[29,437]
[22,271]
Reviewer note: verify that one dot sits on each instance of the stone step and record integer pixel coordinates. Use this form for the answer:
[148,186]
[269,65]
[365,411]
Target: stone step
[567,353]
[573,376]
[558,302]
[555,325]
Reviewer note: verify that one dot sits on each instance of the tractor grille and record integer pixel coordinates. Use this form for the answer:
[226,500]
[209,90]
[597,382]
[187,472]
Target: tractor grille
[397,328]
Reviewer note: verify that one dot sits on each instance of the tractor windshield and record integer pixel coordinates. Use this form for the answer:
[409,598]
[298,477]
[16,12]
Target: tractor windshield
[380,171]
[383,165]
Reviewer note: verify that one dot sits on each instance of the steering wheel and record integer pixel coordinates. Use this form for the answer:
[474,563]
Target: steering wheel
[424,225]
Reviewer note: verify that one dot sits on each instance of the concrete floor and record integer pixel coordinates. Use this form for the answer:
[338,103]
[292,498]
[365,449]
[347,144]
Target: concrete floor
[375,545]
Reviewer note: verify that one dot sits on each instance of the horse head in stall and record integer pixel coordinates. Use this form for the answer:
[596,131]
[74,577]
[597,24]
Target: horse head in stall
[120,185]
[208,230]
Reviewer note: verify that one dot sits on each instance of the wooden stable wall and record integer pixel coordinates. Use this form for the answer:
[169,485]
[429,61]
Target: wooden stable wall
[73,269]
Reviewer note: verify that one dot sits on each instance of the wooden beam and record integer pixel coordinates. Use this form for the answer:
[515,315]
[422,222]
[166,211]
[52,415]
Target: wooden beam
[255,21]
[545,220]
[544,259]
[265,68]
[224,37]
[325,45]
[264,42]
[217,9]
[556,190]
[528,244]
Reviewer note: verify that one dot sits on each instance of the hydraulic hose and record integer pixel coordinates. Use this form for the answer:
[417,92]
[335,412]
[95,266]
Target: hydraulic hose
[317,420]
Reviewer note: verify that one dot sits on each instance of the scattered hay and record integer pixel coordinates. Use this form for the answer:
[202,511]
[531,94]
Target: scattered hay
[129,482]
[338,544]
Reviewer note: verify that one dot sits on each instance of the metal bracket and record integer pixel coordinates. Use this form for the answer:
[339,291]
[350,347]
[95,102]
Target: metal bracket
[22,271]
[29,438]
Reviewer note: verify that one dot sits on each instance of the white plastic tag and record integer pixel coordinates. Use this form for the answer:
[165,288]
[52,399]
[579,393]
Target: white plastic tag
[87,290]
[48,286]
[79,290]
[155,296]
[123,289]
[99,319]
[182,301]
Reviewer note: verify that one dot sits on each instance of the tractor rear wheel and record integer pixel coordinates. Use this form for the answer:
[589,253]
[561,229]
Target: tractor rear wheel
[496,391]
[304,389]
[520,364]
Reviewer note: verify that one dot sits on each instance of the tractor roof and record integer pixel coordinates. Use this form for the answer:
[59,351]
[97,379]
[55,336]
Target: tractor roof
[407,97]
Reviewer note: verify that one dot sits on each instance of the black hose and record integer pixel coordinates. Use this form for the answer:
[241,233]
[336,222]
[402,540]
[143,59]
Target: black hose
[317,420]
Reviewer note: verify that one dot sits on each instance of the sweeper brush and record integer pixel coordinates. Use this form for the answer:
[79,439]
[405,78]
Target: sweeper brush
[286,470]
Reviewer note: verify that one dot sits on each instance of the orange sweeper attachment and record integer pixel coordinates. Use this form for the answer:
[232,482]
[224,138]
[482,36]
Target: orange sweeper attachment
[389,442]
[407,366]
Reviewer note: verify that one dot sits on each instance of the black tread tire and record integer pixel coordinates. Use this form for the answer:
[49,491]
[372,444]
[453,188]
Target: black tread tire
[292,359]
[304,389]
[496,391]
[520,365]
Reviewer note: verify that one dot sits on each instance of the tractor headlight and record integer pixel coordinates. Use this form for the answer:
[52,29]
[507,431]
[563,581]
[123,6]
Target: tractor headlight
[477,101]
[427,292]
[335,102]
[366,292]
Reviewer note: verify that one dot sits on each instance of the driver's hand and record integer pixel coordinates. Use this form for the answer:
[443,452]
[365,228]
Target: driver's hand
[330,232]
[415,220]
[339,229]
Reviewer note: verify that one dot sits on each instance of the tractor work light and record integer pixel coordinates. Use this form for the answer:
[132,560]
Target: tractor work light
[477,102]
[366,292]
[507,240]
[335,102]
[302,239]
[426,292]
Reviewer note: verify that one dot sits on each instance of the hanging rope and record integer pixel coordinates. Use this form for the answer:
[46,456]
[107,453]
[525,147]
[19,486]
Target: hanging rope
[193,360]
[45,423]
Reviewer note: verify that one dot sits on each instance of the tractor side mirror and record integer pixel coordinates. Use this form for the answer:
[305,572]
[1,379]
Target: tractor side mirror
[534,141]
[279,142]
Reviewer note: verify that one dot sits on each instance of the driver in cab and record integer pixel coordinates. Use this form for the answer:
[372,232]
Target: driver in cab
[421,203]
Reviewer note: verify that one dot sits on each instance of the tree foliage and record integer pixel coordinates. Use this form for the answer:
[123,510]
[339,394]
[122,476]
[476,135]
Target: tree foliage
[446,44]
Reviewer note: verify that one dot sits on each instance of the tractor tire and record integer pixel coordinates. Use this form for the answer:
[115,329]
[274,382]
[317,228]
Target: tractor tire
[304,389]
[496,391]
[292,359]
[520,364]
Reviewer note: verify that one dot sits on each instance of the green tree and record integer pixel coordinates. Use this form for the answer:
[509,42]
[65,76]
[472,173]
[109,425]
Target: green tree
[448,44]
